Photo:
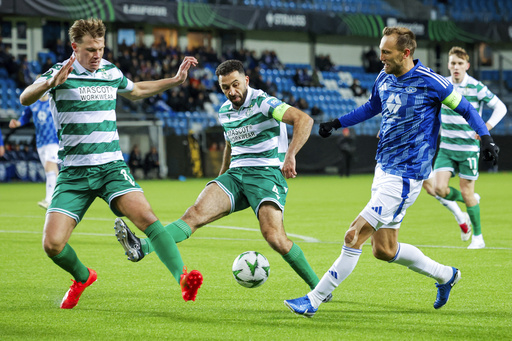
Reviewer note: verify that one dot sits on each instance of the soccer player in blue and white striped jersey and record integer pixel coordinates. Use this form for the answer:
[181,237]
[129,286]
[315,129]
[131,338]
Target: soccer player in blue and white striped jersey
[409,97]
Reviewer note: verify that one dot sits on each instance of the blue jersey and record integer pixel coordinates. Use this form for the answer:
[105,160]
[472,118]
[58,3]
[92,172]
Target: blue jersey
[43,121]
[410,107]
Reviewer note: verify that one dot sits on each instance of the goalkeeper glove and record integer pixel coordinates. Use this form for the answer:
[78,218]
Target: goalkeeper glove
[327,127]
[489,149]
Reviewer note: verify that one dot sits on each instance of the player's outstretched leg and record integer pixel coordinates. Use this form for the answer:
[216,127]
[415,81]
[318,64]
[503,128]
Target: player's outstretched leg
[128,240]
[72,296]
[301,306]
[190,283]
[443,290]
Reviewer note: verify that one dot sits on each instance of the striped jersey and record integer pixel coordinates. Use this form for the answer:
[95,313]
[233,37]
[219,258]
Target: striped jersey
[256,137]
[456,133]
[410,106]
[83,110]
[40,113]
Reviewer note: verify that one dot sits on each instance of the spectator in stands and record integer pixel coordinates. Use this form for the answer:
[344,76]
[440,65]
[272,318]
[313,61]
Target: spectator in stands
[10,63]
[302,104]
[371,62]
[60,50]
[47,65]
[323,63]
[357,89]
[25,76]
[315,79]
[347,146]
[152,164]
[301,77]
[269,60]
[135,161]
[317,113]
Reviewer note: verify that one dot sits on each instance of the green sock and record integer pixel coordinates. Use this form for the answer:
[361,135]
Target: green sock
[454,195]
[474,215]
[68,260]
[165,248]
[298,262]
[179,231]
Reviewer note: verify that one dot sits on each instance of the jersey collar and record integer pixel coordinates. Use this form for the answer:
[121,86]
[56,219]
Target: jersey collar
[81,70]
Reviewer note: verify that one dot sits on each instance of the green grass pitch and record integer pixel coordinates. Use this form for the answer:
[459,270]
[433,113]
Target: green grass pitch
[379,301]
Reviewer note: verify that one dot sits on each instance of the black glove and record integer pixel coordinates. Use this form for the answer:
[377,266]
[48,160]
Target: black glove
[326,128]
[489,149]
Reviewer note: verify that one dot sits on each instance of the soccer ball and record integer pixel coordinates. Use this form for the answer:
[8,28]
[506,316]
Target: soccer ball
[251,269]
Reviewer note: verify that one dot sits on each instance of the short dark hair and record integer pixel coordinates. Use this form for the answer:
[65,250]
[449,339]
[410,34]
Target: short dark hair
[405,38]
[228,66]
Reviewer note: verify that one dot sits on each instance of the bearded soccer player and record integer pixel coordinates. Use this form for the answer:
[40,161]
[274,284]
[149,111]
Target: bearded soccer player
[83,92]
[409,96]
[257,161]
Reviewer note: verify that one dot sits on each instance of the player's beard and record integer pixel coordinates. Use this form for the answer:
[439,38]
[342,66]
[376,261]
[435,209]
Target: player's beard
[241,101]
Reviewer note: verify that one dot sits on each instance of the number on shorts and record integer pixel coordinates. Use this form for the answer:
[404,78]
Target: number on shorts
[127,177]
[472,162]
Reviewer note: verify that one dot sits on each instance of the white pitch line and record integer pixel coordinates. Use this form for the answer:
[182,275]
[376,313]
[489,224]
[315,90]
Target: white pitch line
[304,238]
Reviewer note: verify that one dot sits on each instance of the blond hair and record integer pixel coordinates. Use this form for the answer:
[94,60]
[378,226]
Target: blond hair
[92,26]
[405,38]
[459,52]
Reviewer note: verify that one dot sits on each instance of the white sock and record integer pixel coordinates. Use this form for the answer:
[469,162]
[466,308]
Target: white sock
[411,257]
[51,180]
[342,267]
[454,208]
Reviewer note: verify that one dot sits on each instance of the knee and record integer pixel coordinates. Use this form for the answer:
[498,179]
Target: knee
[52,248]
[442,191]
[277,242]
[383,253]
[350,238]
[429,189]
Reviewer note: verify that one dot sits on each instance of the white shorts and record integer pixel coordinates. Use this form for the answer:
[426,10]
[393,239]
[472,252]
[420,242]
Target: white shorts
[391,196]
[48,153]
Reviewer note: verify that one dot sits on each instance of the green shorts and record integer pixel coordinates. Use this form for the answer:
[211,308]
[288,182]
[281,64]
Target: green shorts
[463,163]
[251,186]
[77,187]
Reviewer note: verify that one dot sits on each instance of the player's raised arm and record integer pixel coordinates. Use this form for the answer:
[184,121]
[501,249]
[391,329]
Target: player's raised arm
[150,88]
[35,91]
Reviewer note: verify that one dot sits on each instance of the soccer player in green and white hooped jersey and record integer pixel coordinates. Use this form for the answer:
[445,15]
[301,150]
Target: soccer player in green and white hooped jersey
[460,147]
[256,161]
[83,92]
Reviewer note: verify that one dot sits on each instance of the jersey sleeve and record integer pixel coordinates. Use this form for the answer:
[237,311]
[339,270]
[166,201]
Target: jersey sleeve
[272,106]
[484,94]
[25,116]
[126,85]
